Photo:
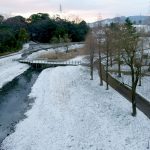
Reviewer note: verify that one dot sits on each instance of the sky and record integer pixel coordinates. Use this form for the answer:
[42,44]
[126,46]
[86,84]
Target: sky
[88,10]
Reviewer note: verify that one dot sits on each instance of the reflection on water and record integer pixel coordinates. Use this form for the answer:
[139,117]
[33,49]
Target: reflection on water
[14,101]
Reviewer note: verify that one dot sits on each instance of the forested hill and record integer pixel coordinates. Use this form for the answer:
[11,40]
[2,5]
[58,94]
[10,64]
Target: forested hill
[39,27]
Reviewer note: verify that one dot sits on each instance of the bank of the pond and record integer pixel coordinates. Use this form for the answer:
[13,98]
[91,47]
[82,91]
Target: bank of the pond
[14,101]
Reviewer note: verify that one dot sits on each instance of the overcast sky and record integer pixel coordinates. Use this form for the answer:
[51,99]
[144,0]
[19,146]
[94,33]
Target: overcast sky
[88,10]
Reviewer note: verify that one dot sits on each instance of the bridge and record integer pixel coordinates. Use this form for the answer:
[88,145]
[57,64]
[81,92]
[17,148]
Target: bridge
[39,63]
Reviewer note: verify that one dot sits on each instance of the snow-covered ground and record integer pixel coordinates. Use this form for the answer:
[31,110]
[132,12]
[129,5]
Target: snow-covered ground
[123,67]
[83,59]
[36,55]
[71,112]
[126,68]
[9,69]
[145,28]
[143,90]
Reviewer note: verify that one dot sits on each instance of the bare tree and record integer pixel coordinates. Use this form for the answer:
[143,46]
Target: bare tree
[107,47]
[117,44]
[90,44]
[99,32]
[100,56]
[67,40]
[131,58]
[112,47]
[141,45]
[141,52]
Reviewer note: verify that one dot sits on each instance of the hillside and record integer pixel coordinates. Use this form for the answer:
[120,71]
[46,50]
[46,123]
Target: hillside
[144,20]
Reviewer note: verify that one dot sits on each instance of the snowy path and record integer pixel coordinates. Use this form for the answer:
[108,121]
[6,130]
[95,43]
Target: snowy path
[72,112]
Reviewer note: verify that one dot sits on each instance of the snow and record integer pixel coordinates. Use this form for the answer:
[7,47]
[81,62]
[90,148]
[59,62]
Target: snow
[83,59]
[143,90]
[9,69]
[139,28]
[36,55]
[75,46]
[71,112]
[126,79]
[123,67]
[25,46]
[79,58]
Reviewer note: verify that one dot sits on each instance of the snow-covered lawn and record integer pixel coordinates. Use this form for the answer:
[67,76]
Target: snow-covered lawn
[9,69]
[71,112]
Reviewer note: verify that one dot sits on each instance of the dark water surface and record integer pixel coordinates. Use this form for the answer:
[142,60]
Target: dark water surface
[14,101]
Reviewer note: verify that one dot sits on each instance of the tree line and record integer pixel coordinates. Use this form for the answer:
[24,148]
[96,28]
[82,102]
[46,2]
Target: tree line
[15,31]
[120,44]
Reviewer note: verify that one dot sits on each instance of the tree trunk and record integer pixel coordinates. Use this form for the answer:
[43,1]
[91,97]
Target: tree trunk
[107,72]
[91,67]
[140,77]
[100,68]
[66,48]
[133,90]
[119,64]
[111,61]
[133,100]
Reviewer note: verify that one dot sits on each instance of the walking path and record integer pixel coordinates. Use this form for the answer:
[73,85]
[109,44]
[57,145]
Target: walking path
[142,103]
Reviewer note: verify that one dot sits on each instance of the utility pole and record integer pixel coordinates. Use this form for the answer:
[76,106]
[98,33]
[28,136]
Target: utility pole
[60,8]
